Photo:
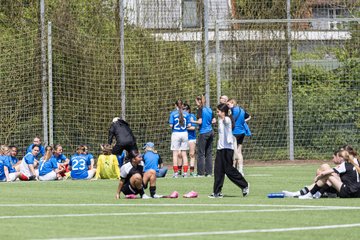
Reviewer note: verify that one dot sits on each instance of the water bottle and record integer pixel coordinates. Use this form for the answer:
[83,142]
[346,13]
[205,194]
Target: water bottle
[276,195]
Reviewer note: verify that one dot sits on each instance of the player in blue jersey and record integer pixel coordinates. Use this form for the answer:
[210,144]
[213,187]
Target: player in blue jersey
[192,138]
[28,164]
[205,119]
[13,159]
[80,164]
[152,160]
[90,157]
[133,179]
[7,172]
[240,130]
[48,166]
[179,121]
[61,159]
[36,141]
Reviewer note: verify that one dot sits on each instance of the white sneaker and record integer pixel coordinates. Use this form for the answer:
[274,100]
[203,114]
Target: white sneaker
[306,196]
[157,196]
[317,195]
[145,196]
[246,190]
[289,194]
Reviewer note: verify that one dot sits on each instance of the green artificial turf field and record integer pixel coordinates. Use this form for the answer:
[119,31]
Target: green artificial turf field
[88,210]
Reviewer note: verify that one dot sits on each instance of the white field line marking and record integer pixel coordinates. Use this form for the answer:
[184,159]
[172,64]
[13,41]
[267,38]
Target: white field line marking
[169,205]
[259,175]
[171,213]
[187,234]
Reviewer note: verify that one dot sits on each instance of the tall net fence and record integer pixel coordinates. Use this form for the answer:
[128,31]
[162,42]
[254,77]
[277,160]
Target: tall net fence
[324,76]
[164,51]
[20,92]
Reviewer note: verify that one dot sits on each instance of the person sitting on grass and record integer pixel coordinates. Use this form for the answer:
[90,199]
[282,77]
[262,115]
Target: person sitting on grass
[133,180]
[61,159]
[152,160]
[325,192]
[36,142]
[49,167]
[7,171]
[344,178]
[13,159]
[28,164]
[80,165]
[107,164]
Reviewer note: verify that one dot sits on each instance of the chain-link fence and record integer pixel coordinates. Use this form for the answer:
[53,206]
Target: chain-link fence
[170,52]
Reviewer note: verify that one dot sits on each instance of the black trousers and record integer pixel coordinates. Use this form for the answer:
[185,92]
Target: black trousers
[204,161]
[117,149]
[224,165]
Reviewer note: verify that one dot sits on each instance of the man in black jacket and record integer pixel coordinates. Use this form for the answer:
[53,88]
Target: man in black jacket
[125,139]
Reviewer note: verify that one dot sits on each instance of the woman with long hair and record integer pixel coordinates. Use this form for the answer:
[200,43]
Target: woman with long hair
[224,156]
[48,166]
[179,121]
[239,131]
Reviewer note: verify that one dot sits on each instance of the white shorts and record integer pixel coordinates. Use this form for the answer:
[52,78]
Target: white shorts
[13,176]
[48,177]
[179,141]
[91,173]
[192,141]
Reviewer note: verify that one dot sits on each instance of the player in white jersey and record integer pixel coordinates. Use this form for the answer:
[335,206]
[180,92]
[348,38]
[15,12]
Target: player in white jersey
[224,156]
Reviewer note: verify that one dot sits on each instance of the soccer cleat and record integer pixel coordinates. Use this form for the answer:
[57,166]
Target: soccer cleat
[246,190]
[191,194]
[216,195]
[185,175]
[145,196]
[317,195]
[174,194]
[306,196]
[130,196]
[290,194]
[157,196]
[175,175]
[192,174]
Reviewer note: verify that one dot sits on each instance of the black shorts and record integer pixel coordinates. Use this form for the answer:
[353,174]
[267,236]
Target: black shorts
[239,138]
[128,189]
[117,149]
[345,192]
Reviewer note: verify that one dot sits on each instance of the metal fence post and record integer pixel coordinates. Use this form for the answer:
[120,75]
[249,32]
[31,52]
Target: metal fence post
[122,67]
[43,73]
[51,108]
[290,94]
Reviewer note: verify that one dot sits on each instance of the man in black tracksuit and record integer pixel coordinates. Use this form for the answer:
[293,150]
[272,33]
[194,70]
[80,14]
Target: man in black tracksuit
[125,139]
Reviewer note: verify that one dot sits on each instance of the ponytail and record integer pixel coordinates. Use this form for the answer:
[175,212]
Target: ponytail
[180,105]
[48,153]
[349,158]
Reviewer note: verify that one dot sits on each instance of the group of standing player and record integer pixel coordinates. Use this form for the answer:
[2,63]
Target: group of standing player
[232,129]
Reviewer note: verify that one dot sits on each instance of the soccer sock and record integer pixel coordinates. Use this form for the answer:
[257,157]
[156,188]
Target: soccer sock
[175,169]
[179,168]
[192,168]
[186,167]
[152,191]
[304,191]
[324,189]
[315,189]
[141,192]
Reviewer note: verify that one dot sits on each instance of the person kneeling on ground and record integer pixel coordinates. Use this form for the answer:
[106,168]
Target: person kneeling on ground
[133,180]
